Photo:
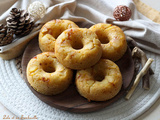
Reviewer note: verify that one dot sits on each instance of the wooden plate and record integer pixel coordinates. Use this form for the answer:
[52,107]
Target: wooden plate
[70,100]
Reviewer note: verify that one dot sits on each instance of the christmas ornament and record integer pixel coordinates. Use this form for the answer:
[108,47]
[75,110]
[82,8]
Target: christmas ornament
[20,22]
[122,13]
[37,9]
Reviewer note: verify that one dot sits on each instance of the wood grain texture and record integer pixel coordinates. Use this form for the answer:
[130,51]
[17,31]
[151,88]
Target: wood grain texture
[70,100]
[147,11]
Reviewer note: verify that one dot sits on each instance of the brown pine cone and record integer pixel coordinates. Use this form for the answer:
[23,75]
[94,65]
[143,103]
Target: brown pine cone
[20,22]
[6,35]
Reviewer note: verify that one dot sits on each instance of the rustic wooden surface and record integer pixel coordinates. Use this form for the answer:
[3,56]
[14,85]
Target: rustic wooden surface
[70,100]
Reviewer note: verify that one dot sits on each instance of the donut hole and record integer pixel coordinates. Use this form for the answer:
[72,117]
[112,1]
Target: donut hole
[56,35]
[77,44]
[49,68]
[99,76]
[57,32]
[102,37]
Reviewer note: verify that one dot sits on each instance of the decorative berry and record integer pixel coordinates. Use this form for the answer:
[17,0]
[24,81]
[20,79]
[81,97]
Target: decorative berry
[122,13]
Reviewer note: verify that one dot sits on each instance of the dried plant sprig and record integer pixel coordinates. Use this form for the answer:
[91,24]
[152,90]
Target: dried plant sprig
[138,77]
[137,52]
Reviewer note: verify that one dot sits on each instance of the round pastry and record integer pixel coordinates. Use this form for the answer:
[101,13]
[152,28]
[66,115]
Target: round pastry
[78,48]
[46,75]
[50,31]
[112,39]
[101,82]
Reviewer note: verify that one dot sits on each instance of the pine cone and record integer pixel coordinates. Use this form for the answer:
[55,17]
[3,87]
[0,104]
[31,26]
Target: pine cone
[20,22]
[6,35]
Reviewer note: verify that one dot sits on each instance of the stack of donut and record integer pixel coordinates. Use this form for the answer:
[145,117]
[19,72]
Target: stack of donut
[90,51]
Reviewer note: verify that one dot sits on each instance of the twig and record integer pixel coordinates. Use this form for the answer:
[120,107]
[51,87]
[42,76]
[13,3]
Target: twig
[136,65]
[132,44]
[138,77]
[137,52]
[145,81]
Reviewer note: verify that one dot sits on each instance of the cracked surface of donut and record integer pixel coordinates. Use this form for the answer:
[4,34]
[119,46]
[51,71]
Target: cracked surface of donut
[50,31]
[46,75]
[101,82]
[78,48]
[112,39]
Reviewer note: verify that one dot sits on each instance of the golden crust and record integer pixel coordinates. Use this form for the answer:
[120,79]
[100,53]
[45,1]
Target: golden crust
[101,82]
[50,31]
[112,39]
[46,75]
[78,48]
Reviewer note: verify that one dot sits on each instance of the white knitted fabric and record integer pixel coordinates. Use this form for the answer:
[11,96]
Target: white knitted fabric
[18,98]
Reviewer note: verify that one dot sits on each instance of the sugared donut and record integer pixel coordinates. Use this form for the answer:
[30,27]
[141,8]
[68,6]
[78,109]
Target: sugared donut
[46,75]
[113,40]
[78,48]
[101,82]
[50,31]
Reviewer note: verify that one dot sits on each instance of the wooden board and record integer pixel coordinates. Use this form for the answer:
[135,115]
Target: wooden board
[70,100]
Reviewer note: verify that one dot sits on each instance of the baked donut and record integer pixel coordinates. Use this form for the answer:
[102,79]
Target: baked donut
[46,75]
[101,82]
[78,48]
[113,40]
[50,31]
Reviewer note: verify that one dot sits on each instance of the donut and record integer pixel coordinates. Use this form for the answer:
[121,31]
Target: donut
[100,82]
[46,75]
[50,31]
[112,39]
[78,48]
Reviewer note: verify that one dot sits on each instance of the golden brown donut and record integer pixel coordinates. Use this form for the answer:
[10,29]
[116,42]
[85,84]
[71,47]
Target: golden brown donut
[50,31]
[46,75]
[101,82]
[78,48]
[112,39]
